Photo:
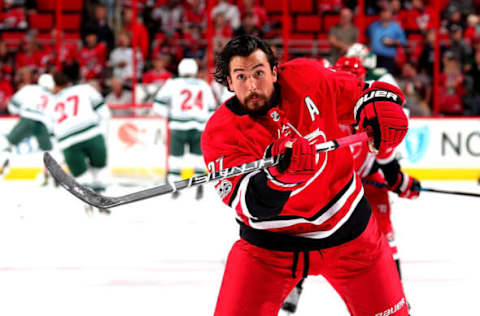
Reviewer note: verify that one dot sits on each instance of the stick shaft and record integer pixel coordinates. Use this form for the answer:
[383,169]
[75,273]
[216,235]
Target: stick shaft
[384,185]
[101,201]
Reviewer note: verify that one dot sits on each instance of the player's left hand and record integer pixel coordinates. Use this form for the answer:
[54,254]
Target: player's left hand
[406,186]
[380,110]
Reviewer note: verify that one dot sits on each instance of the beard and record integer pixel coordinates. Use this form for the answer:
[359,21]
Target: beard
[257,104]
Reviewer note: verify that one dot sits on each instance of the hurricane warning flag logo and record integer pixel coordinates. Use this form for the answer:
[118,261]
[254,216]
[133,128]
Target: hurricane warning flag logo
[416,143]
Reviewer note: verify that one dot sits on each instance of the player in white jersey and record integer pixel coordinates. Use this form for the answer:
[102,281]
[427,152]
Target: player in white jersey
[369,61]
[187,102]
[77,117]
[29,103]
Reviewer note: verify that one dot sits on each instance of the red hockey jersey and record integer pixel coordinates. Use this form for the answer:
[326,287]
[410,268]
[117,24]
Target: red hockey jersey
[313,101]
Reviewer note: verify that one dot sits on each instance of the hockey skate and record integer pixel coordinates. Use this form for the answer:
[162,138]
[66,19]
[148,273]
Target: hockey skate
[199,194]
[175,195]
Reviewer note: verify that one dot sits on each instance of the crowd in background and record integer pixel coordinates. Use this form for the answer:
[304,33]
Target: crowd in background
[399,32]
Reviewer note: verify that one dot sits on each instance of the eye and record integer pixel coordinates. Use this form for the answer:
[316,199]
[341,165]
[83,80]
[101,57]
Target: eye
[259,73]
[241,77]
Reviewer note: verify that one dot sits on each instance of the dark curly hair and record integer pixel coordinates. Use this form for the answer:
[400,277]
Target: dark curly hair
[243,46]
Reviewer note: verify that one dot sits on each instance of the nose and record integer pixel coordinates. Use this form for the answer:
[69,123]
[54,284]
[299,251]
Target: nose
[252,84]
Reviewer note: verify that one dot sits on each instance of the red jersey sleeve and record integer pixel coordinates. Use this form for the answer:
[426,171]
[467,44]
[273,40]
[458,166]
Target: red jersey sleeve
[222,148]
[348,90]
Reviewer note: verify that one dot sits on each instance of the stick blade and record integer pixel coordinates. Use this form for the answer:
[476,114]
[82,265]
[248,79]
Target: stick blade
[68,183]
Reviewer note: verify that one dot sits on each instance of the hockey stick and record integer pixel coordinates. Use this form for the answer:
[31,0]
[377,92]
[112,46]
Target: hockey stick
[101,201]
[384,185]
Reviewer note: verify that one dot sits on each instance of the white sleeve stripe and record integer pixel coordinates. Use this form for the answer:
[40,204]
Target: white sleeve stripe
[405,181]
[241,194]
[279,183]
[384,161]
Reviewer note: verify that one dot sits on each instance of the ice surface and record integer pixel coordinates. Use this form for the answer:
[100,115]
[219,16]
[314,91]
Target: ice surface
[166,257]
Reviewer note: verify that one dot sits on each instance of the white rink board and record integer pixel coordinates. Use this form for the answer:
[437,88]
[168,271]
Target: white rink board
[165,257]
[442,143]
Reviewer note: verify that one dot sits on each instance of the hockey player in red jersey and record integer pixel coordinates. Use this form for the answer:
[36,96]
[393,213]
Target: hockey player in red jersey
[375,170]
[308,215]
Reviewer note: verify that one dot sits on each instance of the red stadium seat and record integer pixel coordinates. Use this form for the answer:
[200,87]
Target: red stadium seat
[323,43]
[305,6]
[72,36]
[71,22]
[329,21]
[50,5]
[46,5]
[41,22]
[301,41]
[13,39]
[72,5]
[272,5]
[369,19]
[308,23]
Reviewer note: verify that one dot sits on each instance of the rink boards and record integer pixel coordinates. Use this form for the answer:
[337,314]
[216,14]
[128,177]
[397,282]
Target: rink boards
[434,149]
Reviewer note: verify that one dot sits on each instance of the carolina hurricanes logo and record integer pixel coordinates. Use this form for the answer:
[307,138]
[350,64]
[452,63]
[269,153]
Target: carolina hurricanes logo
[129,134]
[275,116]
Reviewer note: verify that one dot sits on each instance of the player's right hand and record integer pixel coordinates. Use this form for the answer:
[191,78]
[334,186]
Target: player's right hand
[297,163]
[406,186]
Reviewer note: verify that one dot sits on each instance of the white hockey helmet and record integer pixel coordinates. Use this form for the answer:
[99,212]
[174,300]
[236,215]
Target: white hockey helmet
[369,59]
[187,67]
[46,81]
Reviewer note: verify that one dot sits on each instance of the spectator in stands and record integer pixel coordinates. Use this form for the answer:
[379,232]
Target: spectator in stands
[121,59]
[118,95]
[259,13]
[194,49]
[99,25]
[385,36]
[6,62]
[140,34]
[451,89]
[333,6]
[419,18]
[222,31]
[28,54]
[342,35]
[69,52]
[427,56]
[454,15]
[158,74]
[6,91]
[169,16]
[463,7]
[472,32]
[472,100]
[23,77]
[230,12]
[195,14]
[92,58]
[248,26]
[417,89]
[459,47]
[13,17]
[170,46]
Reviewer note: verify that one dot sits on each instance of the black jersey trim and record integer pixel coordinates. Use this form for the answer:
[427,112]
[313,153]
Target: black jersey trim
[235,190]
[262,201]
[350,230]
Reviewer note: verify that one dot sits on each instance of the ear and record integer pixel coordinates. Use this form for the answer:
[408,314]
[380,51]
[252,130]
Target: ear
[229,81]
[275,73]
